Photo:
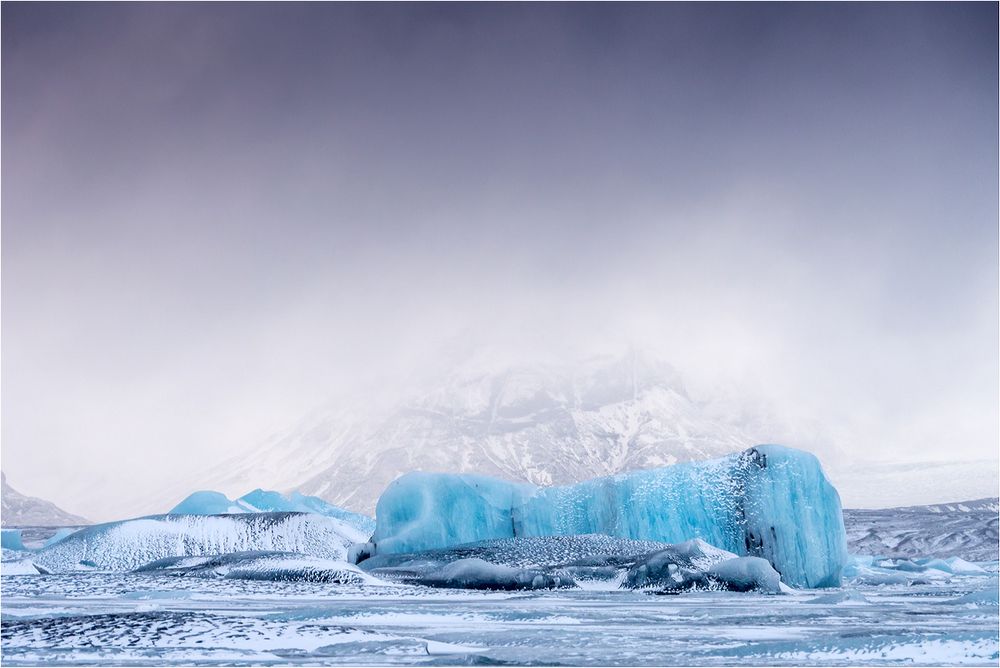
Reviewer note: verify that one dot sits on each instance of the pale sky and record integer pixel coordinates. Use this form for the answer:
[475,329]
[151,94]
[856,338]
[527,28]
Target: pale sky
[217,216]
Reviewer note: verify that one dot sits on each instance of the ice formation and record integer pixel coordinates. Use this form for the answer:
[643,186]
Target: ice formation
[263,501]
[770,501]
[695,564]
[746,574]
[129,544]
[21,567]
[10,539]
[207,502]
[58,536]
[264,566]
[680,566]
[479,574]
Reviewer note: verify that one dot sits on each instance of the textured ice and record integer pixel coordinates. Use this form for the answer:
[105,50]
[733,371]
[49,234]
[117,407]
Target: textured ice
[770,501]
[262,565]
[533,552]
[264,501]
[20,567]
[843,597]
[479,574]
[10,539]
[954,565]
[207,502]
[129,544]
[746,574]
[989,597]
[147,619]
[696,565]
[676,567]
[58,536]
[876,571]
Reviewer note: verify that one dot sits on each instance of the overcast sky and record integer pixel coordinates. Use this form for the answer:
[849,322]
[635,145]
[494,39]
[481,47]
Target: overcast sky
[215,217]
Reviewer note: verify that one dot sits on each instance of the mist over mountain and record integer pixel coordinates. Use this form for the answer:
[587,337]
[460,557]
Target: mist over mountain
[547,423]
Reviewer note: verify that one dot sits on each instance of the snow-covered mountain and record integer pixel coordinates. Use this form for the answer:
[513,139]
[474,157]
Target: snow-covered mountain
[542,423]
[967,529]
[21,510]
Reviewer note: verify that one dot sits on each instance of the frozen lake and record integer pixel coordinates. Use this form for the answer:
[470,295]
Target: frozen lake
[155,619]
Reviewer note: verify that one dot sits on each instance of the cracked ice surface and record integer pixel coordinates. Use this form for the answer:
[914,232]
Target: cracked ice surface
[156,619]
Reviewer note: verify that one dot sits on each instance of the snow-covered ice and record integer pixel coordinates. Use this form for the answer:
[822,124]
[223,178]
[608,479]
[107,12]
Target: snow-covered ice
[129,544]
[161,619]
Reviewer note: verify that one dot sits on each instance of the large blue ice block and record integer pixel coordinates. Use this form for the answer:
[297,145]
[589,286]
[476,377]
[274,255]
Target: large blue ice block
[768,501]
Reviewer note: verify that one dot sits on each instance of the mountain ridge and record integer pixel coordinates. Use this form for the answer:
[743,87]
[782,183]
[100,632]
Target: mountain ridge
[21,510]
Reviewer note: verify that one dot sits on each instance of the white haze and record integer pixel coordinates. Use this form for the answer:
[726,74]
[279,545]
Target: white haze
[216,217]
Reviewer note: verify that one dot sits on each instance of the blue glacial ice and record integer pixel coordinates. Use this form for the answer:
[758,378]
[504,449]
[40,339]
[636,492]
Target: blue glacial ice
[770,501]
[125,545]
[10,539]
[264,501]
[207,502]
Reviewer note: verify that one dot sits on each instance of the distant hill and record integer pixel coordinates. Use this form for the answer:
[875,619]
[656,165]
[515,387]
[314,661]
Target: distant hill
[967,529]
[21,510]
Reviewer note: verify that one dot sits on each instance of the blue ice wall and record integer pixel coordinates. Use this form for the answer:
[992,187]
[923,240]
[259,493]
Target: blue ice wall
[769,501]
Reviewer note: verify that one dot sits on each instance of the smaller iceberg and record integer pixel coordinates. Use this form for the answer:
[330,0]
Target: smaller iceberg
[680,566]
[695,564]
[866,570]
[10,539]
[207,502]
[128,544]
[953,565]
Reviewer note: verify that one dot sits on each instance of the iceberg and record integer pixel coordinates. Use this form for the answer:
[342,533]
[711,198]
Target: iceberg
[676,567]
[128,544]
[21,567]
[746,574]
[695,564]
[207,502]
[769,501]
[10,539]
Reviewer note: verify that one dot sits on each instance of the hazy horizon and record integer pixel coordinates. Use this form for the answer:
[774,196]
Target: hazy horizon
[218,217]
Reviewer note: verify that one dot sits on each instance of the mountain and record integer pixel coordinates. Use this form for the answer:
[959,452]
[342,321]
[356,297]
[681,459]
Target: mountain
[542,423]
[550,422]
[967,529]
[21,510]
